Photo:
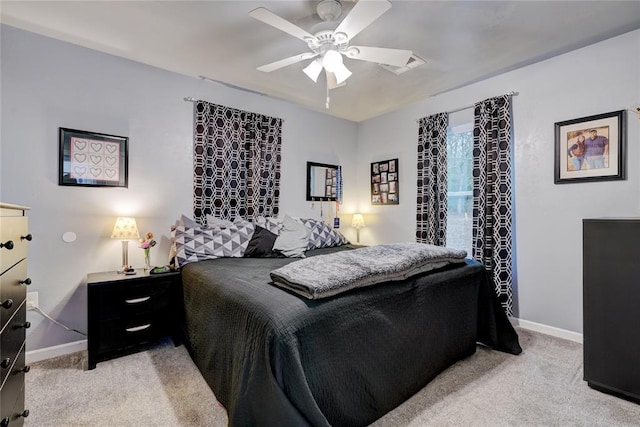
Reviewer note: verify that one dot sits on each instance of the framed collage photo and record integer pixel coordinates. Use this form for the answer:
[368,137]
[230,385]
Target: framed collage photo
[385,188]
[591,148]
[92,159]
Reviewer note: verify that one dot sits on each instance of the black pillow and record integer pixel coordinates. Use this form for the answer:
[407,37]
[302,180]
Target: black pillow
[261,244]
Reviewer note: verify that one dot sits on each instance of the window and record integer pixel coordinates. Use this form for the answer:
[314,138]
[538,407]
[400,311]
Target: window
[460,187]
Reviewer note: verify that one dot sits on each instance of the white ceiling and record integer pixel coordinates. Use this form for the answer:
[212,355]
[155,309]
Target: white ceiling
[461,41]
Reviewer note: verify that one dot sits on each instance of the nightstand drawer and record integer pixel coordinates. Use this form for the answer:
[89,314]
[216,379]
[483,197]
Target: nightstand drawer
[122,333]
[11,289]
[124,301]
[11,340]
[11,235]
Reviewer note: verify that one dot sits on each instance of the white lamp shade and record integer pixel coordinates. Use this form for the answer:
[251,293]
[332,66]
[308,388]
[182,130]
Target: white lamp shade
[125,228]
[332,60]
[313,70]
[342,73]
[357,221]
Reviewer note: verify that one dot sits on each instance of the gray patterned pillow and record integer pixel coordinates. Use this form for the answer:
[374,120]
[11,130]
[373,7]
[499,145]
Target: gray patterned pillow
[197,244]
[271,224]
[323,235]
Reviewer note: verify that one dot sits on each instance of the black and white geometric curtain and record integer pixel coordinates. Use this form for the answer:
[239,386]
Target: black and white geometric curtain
[492,193]
[236,170]
[431,214]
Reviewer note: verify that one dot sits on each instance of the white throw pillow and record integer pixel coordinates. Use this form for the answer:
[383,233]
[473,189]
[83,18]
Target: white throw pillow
[293,238]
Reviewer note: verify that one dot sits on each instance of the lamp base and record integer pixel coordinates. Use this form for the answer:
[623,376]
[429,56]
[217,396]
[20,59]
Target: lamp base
[126,268]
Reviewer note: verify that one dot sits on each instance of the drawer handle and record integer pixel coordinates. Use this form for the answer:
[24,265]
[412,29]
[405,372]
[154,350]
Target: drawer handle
[26,369]
[28,237]
[4,422]
[7,304]
[26,281]
[5,363]
[138,328]
[24,413]
[137,300]
[26,325]
[8,245]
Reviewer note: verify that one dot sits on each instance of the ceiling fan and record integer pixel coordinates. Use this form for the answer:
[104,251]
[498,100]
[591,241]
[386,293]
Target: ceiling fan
[330,40]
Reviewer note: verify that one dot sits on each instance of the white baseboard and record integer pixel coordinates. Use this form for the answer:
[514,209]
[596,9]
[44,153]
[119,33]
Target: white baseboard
[549,330]
[55,351]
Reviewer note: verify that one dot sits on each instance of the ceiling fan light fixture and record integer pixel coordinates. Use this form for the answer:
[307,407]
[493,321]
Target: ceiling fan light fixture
[342,73]
[329,10]
[332,60]
[313,70]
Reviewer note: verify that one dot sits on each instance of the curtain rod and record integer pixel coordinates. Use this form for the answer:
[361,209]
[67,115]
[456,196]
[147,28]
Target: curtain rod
[512,93]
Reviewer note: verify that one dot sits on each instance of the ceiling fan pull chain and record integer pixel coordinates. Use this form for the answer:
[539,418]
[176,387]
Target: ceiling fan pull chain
[328,100]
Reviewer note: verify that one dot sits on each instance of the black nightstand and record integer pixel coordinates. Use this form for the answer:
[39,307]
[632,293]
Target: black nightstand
[127,313]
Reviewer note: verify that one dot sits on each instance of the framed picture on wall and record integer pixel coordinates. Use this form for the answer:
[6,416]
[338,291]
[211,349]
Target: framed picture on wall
[92,159]
[384,183]
[591,148]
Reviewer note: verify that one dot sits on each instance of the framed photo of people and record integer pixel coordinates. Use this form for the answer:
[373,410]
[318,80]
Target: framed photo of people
[591,148]
[384,183]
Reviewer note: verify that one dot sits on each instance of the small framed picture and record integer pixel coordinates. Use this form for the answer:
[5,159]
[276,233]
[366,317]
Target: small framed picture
[92,159]
[384,183]
[591,148]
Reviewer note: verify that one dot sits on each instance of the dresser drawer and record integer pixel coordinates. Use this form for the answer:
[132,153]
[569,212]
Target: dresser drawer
[11,340]
[127,300]
[13,230]
[123,333]
[12,289]
[12,407]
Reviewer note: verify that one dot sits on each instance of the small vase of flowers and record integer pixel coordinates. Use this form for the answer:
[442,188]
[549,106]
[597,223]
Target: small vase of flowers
[146,243]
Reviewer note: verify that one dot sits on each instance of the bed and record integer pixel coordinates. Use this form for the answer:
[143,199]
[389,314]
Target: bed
[274,358]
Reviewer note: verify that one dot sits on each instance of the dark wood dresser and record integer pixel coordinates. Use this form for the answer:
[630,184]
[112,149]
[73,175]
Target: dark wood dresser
[14,240]
[611,305]
[127,313]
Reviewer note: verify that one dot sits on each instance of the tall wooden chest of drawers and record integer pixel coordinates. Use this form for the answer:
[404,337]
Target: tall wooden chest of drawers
[14,240]
[610,305]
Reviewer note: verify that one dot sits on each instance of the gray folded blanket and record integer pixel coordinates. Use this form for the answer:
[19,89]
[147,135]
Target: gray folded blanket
[327,275]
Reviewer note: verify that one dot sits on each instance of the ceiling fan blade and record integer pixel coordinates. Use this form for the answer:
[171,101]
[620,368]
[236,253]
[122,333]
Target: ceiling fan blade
[381,55]
[282,24]
[287,61]
[332,82]
[361,16]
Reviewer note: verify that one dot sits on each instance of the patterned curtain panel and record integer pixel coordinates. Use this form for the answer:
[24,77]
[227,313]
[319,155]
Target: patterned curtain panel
[492,214]
[431,214]
[236,171]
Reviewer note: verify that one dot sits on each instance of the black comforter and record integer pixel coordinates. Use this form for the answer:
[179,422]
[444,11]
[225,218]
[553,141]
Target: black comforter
[276,359]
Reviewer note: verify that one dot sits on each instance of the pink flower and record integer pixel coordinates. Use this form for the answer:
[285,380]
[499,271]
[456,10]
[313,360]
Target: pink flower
[147,241]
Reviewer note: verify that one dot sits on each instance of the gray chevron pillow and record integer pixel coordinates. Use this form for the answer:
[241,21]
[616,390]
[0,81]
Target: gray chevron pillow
[197,244]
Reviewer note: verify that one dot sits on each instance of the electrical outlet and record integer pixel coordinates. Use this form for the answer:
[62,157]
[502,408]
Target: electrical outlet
[32,300]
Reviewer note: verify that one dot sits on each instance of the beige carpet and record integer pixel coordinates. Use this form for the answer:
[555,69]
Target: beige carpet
[162,387]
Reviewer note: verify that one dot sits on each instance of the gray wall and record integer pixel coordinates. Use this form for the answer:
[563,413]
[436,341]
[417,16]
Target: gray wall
[597,79]
[47,84]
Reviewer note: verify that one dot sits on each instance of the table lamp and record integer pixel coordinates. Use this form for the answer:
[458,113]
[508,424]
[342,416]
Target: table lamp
[125,229]
[357,222]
